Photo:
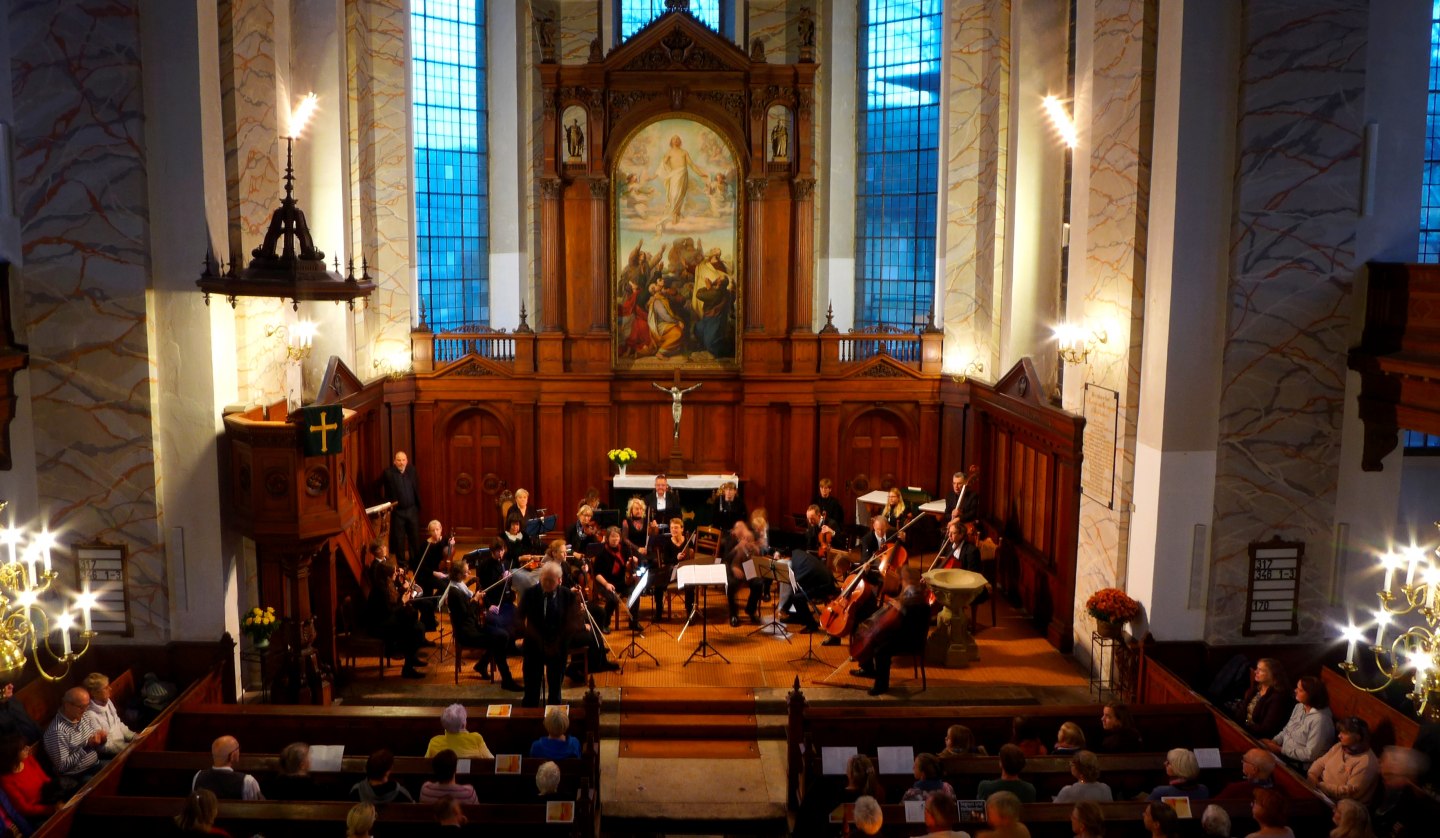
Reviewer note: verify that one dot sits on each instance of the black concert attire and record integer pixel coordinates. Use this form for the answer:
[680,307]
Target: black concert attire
[520,544]
[968,499]
[897,520]
[830,511]
[664,554]
[870,602]
[914,623]
[635,532]
[739,554]
[433,555]
[727,513]
[609,565]
[669,509]
[493,635]
[532,522]
[579,539]
[815,581]
[389,618]
[548,622]
[403,487]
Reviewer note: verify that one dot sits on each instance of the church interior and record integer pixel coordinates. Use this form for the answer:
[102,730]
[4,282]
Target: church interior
[1147,279]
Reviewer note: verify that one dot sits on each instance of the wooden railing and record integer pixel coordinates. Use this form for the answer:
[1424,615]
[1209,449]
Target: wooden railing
[513,350]
[920,352]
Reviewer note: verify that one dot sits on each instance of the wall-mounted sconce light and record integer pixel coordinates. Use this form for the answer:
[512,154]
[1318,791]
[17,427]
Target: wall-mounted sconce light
[299,339]
[1077,342]
[971,369]
[1059,118]
[394,364]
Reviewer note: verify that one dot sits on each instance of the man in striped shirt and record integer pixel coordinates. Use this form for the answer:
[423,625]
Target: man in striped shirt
[75,739]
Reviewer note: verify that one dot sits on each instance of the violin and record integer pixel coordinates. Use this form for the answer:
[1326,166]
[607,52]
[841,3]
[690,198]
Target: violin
[826,537]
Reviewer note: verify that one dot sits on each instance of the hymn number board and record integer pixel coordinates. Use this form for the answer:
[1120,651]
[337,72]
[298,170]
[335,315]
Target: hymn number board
[1272,604]
[103,568]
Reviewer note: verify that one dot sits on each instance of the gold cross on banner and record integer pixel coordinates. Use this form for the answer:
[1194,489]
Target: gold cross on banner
[324,428]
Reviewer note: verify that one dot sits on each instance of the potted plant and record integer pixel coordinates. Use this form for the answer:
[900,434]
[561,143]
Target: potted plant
[621,457]
[1111,608]
[259,625]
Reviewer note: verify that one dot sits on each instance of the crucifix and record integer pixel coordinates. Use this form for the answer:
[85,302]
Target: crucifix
[677,394]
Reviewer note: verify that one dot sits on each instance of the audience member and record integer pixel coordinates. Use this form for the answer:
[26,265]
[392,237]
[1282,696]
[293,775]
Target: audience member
[555,744]
[465,743]
[1012,762]
[1161,820]
[198,815]
[23,780]
[1352,820]
[927,778]
[117,735]
[1349,769]
[1272,812]
[1215,822]
[442,785]
[1024,737]
[1258,769]
[1266,704]
[1002,812]
[1311,729]
[74,740]
[941,813]
[1087,820]
[547,781]
[14,718]
[377,787]
[1085,768]
[869,817]
[1069,741]
[292,780]
[861,779]
[1121,734]
[1404,805]
[1182,769]
[448,815]
[960,742]
[221,778]
[360,821]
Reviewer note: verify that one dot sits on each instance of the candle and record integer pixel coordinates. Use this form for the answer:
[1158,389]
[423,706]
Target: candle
[1381,619]
[66,620]
[1349,654]
[1414,563]
[29,561]
[85,601]
[1390,563]
[48,542]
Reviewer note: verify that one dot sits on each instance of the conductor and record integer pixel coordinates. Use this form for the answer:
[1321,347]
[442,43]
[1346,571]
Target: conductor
[549,618]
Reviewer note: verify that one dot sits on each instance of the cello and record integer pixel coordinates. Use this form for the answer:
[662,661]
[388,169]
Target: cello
[837,617]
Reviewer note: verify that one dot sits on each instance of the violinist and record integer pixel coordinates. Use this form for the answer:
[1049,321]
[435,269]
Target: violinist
[636,525]
[609,562]
[908,633]
[388,616]
[728,508]
[476,627]
[517,543]
[666,551]
[534,521]
[896,513]
[745,550]
[584,531]
[435,552]
[830,511]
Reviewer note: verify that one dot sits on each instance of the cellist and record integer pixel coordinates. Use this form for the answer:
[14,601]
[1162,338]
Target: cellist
[874,542]
[810,571]
[907,633]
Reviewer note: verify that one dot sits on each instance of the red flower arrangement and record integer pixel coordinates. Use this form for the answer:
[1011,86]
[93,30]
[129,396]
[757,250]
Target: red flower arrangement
[1112,605]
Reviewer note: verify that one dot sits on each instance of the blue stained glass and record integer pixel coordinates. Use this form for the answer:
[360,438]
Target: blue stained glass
[635,14]
[898,158]
[451,161]
[1430,194]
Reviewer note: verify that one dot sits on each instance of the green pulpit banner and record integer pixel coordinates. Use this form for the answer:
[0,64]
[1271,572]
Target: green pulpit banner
[322,426]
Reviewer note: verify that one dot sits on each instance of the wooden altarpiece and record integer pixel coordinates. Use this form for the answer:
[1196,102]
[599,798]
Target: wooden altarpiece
[677,68]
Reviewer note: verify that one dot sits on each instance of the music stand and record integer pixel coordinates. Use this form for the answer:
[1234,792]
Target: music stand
[703,575]
[773,624]
[634,649]
[796,590]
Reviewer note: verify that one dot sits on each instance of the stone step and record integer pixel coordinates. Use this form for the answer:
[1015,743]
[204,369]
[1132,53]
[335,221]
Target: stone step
[672,726]
[692,700]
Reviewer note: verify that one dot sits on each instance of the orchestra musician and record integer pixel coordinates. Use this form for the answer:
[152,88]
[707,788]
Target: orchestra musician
[667,550]
[874,541]
[830,511]
[662,502]
[636,525]
[963,501]
[533,521]
[388,614]
[549,619]
[584,531]
[728,508]
[435,551]
[908,633]
[517,542]
[477,627]
[896,513]
[744,549]
[608,563]
[810,572]
[964,549]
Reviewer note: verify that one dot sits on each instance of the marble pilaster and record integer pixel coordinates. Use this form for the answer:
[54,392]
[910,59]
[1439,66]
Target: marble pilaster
[1301,126]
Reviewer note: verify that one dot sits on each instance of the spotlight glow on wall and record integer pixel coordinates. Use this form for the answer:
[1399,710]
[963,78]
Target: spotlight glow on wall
[1062,121]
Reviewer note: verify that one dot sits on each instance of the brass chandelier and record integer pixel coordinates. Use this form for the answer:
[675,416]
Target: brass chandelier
[28,600]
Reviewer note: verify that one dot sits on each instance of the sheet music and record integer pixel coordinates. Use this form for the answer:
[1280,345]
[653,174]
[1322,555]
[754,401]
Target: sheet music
[1207,757]
[749,567]
[896,759]
[462,766]
[833,759]
[326,757]
[700,574]
[914,811]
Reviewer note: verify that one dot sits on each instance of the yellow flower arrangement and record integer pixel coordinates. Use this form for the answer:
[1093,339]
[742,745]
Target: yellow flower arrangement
[621,456]
[259,623]
[1112,605]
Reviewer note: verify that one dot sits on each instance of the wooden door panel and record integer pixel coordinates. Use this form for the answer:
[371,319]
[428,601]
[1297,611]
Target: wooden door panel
[477,467]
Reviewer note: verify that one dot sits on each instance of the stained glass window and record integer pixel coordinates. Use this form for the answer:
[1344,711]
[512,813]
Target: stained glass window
[1430,198]
[452,203]
[634,14]
[897,162]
